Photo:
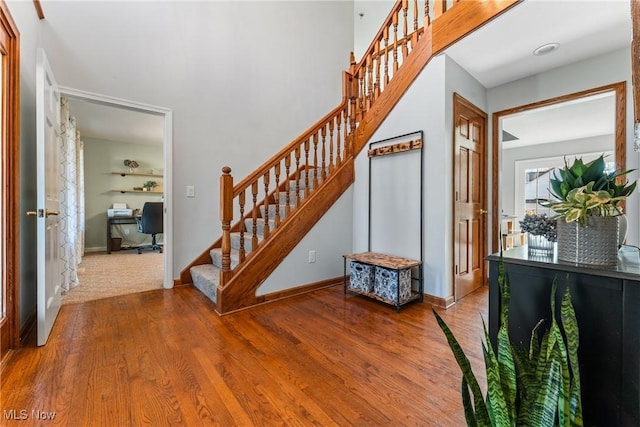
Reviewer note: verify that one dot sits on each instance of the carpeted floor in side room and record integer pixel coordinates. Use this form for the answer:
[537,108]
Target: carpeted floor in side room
[105,275]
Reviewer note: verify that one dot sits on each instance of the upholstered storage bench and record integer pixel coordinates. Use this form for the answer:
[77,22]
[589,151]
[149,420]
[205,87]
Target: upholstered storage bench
[387,278]
[362,276]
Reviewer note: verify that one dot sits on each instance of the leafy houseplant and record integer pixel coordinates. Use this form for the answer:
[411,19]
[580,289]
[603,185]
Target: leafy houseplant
[586,189]
[149,185]
[536,387]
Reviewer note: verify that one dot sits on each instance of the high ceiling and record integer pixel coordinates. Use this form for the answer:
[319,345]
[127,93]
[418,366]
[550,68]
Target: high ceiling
[583,29]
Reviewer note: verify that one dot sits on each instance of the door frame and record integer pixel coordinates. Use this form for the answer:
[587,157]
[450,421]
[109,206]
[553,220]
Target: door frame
[11,212]
[620,90]
[460,100]
[167,145]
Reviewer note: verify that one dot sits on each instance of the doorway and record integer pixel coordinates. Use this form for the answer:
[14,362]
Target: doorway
[470,196]
[122,181]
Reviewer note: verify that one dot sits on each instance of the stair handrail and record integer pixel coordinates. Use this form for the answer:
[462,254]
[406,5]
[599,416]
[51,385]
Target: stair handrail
[360,89]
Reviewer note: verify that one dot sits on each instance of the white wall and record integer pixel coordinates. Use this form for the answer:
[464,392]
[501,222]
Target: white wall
[596,144]
[101,159]
[242,79]
[428,106]
[368,17]
[602,70]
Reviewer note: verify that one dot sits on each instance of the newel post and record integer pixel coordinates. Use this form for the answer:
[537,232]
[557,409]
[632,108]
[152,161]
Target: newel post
[226,216]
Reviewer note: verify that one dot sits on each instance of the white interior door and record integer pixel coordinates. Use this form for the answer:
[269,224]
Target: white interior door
[48,197]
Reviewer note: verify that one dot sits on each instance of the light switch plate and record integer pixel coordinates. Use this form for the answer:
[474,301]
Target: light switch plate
[191,191]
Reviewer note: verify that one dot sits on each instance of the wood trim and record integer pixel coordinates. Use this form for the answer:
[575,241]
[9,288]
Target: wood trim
[38,7]
[26,329]
[239,291]
[10,224]
[620,90]
[439,301]
[635,58]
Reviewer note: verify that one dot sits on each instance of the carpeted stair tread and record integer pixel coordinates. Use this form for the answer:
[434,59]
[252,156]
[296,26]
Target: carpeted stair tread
[248,240]
[216,257]
[248,223]
[206,278]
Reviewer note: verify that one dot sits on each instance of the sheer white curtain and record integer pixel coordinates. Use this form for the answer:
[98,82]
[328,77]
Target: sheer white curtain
[71,198]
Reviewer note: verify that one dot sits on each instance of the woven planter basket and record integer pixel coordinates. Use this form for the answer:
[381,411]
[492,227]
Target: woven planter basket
[597,243]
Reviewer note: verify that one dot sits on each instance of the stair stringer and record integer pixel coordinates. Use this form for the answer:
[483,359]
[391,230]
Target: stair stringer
[240,290]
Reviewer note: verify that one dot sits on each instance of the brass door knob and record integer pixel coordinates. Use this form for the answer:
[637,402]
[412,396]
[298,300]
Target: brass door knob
[483,212]
[47,212]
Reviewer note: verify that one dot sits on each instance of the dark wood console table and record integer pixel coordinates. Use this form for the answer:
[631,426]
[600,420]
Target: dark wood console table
[607,305]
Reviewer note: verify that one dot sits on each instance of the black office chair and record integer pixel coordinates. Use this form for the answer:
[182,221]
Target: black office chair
[151,222]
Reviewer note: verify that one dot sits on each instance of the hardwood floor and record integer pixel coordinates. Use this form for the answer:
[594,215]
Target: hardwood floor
[164,357]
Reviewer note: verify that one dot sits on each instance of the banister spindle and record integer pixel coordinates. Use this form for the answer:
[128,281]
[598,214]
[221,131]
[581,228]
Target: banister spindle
[323,171]
[315,160]
[427,14]
[385,37]
[226,215]
[331,127]
[254,237]
[297,154]
[241,201]
[405,28]
[265,180]
[287,184]
[394,21]
[339,137]
[276,171]
[306,169]
[369,82]
[361,93]
[415,16]
[376,85]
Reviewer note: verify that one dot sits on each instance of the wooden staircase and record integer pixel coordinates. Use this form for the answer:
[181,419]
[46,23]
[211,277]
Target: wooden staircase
[281,201]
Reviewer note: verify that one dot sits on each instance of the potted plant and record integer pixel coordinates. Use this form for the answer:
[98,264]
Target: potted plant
[538,386]
[149,185]
[588,206]
[541,233]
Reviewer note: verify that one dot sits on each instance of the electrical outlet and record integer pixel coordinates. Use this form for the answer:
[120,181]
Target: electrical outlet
[191,191]
[312,257]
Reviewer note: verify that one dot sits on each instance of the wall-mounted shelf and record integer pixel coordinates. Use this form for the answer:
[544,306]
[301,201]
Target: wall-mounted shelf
[138,191]
[136,174]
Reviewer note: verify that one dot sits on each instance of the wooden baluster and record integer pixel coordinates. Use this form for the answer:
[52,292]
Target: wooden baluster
[256,209]
[265,180]
[331,126]
[287,184]
[306,169]
[276,171]
[394,21]
[414,37]
[323,172]
[427,16]
[385,37]
[376,86]
[338,138]
[405,28]
[226,216]
[241,201]
[315,160]
[361,94]
[352,127]
[369,75]
[297,176]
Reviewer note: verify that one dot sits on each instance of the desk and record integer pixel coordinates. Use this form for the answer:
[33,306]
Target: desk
[114,220]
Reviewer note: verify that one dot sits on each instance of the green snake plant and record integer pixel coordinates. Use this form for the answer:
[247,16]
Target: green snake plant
[538,386]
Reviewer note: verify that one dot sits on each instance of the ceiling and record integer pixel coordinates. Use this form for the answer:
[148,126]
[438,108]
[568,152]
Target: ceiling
[583,29]
[116,124]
